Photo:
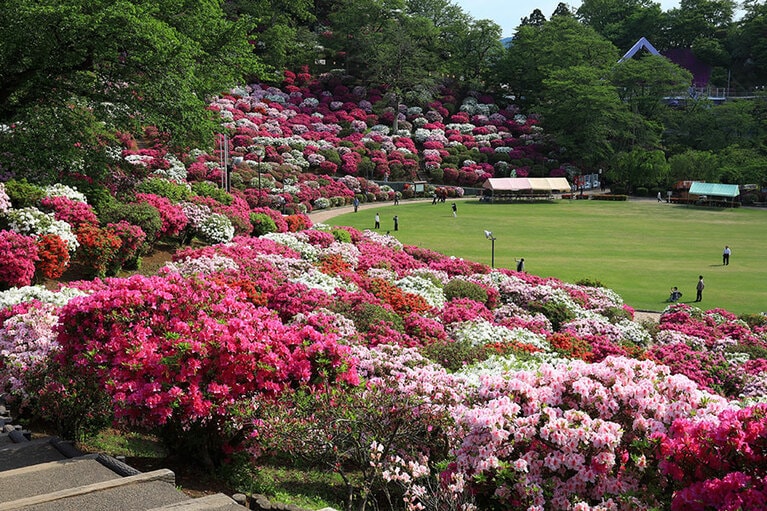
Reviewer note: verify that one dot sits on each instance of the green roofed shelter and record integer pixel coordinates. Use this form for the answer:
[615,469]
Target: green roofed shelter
[715,194]
[714,189]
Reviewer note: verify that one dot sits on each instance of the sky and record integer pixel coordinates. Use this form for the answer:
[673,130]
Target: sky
[507,13]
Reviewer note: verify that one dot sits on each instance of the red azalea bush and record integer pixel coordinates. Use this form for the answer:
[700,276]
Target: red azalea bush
[73,212]
[173,218]
[184,354]
[18,255]
[718,464]
[132,238]
[98,248]
[54,256]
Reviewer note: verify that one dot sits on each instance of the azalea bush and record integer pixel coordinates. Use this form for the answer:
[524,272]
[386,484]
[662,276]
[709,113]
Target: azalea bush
[162,368]
[18,255]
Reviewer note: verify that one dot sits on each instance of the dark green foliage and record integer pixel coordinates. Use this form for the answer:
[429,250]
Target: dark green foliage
[164,188]
[557,313]
[262,224]
[458,288]
[23,194]
[369,315]
[207,189]
[454,355]
[142,214]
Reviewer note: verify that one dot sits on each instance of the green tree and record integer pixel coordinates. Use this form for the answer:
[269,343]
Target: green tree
[583,113]
[623,22]
[473,49]
[536,19]
[643,81]
[694,165]
[639,168]
[283,33]
[123,64]
[695,19]
[538,51]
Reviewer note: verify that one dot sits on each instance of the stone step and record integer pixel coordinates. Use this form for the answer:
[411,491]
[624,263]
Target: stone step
[217,502]
[16,455]
[132,493]
[54,476]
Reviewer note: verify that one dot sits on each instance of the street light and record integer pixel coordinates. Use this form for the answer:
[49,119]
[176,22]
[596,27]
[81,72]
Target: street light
[489,235]
[259,152]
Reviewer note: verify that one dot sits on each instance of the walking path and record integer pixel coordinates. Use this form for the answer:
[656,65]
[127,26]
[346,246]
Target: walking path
[323,215]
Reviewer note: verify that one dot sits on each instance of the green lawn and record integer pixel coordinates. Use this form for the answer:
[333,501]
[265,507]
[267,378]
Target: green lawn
[638,248]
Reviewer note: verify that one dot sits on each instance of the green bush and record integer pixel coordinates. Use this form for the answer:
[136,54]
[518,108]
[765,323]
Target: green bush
[641,191]
[262,224]
[612,197]
[454,355]
[557,313]
[587,282]
[369,315]
[23,194]
[342,235]
[754,320]
[207,189]
[458,288]
[164,188]
[142,214]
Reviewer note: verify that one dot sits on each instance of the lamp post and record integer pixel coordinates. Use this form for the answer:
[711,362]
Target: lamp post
[489,235]
[259,152]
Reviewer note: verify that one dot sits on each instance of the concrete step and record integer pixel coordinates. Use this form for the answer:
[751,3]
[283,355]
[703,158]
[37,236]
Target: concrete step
[132,493]
[16,455]
[217,502]
[42,478]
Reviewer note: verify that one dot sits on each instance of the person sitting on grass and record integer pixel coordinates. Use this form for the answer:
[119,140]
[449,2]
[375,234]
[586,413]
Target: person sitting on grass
[675,295]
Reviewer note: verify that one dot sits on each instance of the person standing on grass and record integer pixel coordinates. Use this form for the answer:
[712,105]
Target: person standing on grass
[699,289]
[396,223]
[378,222]
[356,204]
[520,264]
[455,210]
[726,256]
[660,199]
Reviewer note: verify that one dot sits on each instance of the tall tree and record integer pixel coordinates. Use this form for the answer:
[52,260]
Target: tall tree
[472,51]
[123,64]
[283,30]
[623,22]
[536,19]
[584,114]
[538,51]
[643,81]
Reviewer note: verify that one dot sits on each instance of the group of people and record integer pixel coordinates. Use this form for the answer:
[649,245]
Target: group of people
[676,294]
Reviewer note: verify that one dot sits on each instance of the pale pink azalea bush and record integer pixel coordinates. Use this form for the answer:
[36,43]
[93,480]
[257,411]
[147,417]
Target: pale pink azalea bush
[572,432]
[27,341]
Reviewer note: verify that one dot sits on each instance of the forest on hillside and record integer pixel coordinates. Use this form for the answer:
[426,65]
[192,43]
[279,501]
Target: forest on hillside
[93,71]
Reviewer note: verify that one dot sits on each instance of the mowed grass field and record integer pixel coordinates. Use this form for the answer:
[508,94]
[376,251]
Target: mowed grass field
[638,248]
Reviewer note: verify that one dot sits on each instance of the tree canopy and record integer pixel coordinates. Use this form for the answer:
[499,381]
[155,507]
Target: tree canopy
[127,64]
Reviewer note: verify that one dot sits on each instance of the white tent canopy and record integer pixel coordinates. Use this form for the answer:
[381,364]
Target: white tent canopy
[527,184]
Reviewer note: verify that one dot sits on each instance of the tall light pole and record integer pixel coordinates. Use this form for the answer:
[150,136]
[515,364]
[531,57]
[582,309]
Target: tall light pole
[259,152]
[489,235]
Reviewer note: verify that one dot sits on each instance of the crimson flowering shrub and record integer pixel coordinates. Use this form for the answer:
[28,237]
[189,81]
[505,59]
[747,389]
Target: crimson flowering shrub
[98,248]
[73,212]
[54,256]
[18,255]
[173,218]
[183,355]
[718,463]
[132,239]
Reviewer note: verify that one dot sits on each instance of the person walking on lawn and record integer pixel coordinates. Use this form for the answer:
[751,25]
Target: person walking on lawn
[699,289]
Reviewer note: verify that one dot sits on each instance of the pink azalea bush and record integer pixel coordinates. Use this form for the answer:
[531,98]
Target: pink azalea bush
[18,255]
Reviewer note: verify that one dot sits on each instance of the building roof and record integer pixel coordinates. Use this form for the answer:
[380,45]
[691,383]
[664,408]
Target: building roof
[714,189]
[518,184]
